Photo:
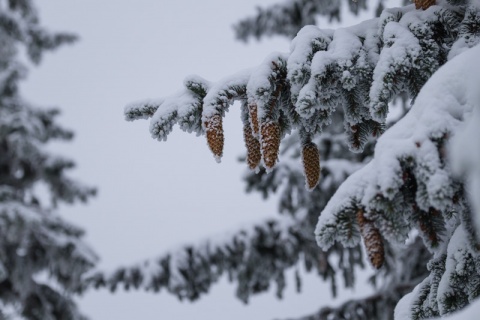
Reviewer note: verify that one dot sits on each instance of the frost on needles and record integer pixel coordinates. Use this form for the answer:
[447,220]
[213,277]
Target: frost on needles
[334,89]
[359,70]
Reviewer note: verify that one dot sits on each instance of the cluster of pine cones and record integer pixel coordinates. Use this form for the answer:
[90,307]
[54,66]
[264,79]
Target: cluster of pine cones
[262,141]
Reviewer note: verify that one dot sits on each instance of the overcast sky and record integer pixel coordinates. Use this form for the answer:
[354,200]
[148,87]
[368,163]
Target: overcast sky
[155,196]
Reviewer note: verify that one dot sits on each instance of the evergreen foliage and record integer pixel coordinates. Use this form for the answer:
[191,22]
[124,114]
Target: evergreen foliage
[42,257]
[288,17]
[335,89]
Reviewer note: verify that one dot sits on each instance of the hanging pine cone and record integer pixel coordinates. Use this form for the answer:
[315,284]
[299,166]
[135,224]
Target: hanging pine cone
[214,131]
[372,239]
[252,110]
[253,147]
[270,138]
[311,165]
[423,4]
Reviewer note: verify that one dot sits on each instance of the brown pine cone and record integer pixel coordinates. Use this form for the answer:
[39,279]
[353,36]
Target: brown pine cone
[372,239]
[311,165]
[252,110]
[423,4]
[270,142]
[214,131]
[253,147]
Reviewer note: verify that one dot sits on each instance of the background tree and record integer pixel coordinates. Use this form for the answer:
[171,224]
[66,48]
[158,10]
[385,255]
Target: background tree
[42,257]
[333,91]
[288,17]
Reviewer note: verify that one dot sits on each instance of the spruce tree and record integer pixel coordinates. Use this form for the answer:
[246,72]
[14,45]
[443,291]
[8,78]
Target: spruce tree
[311,119]
[42,257]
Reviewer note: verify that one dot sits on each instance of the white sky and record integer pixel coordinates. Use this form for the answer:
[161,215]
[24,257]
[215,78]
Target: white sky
[155,196]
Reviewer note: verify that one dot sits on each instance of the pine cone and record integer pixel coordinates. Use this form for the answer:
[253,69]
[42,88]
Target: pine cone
[270,134]
[423,4]
[372,239]
[311,165]
[252,110]
[214,131]
[253,147]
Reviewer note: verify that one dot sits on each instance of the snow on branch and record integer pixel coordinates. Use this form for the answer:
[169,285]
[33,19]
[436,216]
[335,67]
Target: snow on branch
[359,70]
[414,144]
[409,184]
[254,258]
